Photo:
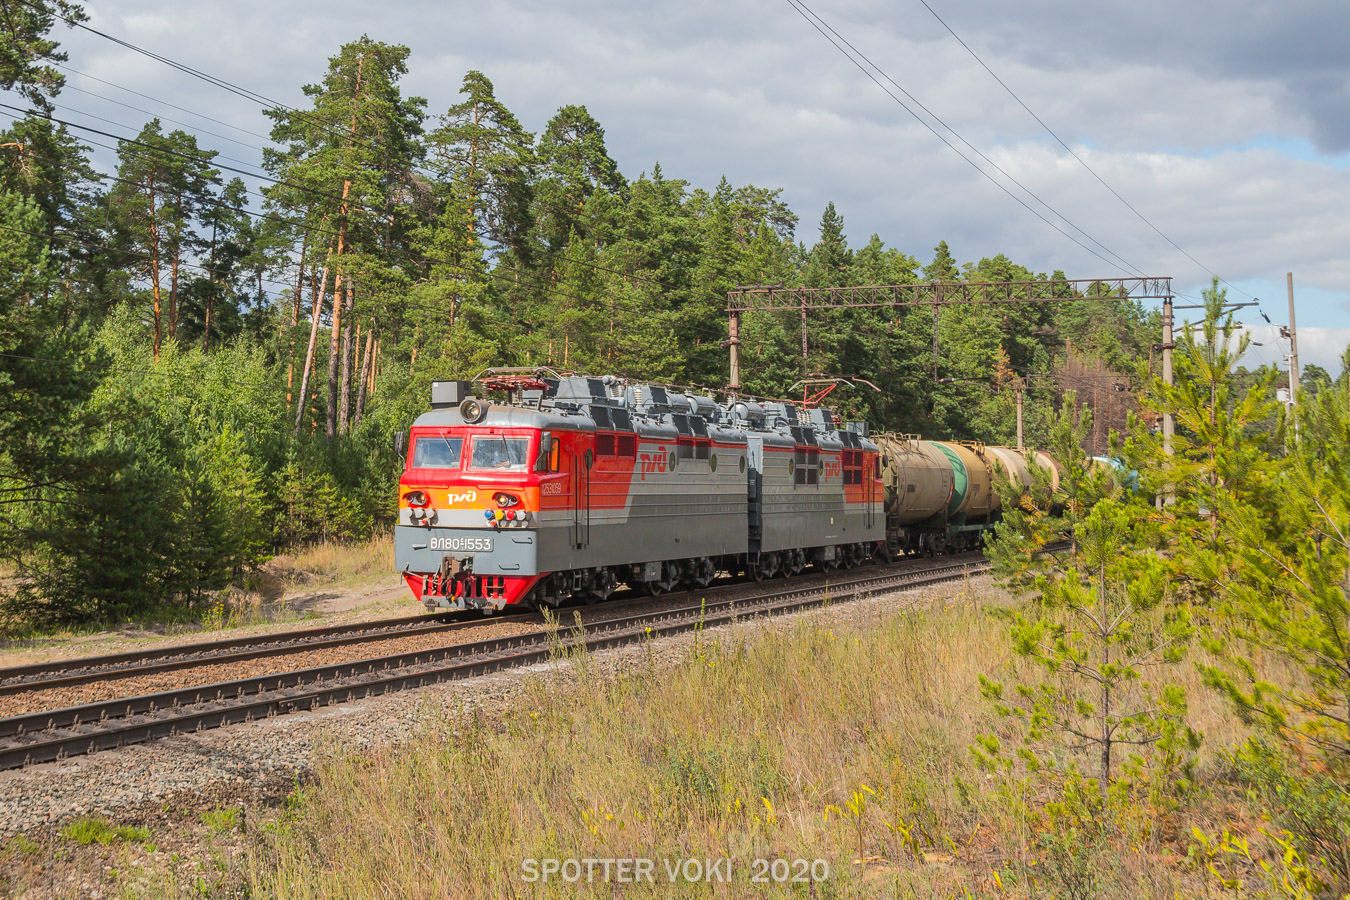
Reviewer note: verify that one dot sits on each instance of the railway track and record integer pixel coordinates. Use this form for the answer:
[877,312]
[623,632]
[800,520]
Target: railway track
[66,673]
[70,672]
[56,734]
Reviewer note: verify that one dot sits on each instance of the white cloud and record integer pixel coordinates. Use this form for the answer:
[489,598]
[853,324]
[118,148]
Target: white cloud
[1316,346]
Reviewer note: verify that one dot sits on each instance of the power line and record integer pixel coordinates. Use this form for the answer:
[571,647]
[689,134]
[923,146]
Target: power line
[196,128]
[223,84]
[1071,152]
[189,157]
[216,154]
[810,16]
[537,284]
[256,97]
[262,100]
[164,150]
[254,191]
[191,112]
[267,102]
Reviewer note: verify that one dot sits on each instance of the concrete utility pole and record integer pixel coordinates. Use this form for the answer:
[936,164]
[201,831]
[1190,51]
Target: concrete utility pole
[1293,356]
[1021,386]
[734,333]
[1169,422]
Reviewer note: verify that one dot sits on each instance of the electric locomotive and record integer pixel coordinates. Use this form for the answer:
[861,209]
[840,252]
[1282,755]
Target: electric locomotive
[577,484]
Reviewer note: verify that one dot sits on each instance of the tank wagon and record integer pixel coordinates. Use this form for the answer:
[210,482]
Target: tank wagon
[577,484]
[940,495]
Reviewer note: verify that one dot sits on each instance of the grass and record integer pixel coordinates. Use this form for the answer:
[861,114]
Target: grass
[336,564]
[100,831]
[847,744]
[20,843]
[220,821]
[258,598]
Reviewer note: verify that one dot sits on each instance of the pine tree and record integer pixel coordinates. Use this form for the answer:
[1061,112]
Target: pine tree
[349,160]
[1262,539]
[28,55]
[943,266]
[830,259]
[575,167]
[484,156]
[1102,616]
[162,185]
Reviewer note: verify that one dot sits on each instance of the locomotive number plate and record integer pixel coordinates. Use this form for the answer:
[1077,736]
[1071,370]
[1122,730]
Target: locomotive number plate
[463,544]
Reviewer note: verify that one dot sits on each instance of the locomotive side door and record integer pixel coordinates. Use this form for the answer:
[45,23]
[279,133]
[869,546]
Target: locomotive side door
[869,479]
[754,452]
[581,496]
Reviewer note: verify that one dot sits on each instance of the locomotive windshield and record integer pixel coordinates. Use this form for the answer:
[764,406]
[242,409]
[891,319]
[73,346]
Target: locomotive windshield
[437,452]
[499,453]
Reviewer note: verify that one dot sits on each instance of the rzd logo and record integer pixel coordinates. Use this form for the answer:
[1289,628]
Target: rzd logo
[466,497]
[652,462]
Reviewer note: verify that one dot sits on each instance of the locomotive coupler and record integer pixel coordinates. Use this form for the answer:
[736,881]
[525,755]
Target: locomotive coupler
[452,565]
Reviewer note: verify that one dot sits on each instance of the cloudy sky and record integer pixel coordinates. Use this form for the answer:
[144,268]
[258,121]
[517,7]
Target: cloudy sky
[1226,125]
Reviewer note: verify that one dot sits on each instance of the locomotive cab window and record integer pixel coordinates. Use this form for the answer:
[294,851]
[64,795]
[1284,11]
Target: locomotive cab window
[437,451]
[503,454]
[547,461]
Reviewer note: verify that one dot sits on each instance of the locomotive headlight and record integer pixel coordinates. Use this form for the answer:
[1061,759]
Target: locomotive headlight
[417,498]
[505,500]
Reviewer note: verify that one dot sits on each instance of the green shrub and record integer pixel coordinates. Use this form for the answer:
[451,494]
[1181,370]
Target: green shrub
[1314,807]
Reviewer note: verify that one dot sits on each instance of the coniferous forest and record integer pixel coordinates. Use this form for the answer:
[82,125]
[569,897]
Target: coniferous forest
[205,362]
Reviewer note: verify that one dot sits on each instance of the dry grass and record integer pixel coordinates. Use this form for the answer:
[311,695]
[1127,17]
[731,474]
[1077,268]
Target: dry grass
[334,564]
[841,737]
[843,743]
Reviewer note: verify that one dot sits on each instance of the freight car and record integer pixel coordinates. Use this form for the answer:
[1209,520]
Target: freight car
[576,485]
[940,496]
